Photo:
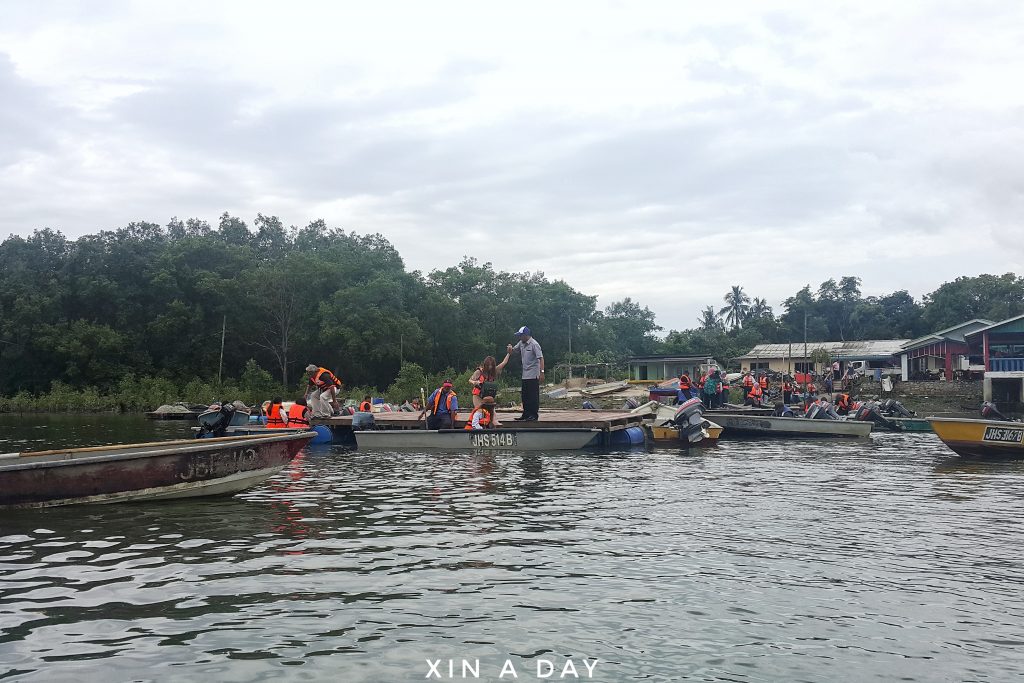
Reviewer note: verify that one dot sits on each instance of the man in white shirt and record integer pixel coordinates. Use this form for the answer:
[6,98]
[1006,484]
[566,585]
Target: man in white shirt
[533,372]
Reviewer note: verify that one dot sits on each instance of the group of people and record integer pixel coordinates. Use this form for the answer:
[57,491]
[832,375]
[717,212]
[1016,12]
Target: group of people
[442,406]
[710,387]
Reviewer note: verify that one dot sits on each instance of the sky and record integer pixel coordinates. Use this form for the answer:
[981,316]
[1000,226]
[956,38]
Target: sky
[662,151]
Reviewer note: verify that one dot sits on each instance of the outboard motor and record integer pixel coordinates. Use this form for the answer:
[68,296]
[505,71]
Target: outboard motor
[630,404]
[689,418]
[214,422]
[990,412]
[894,408]
[869,412]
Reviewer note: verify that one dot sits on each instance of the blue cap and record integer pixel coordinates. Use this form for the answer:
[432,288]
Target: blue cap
[522,330]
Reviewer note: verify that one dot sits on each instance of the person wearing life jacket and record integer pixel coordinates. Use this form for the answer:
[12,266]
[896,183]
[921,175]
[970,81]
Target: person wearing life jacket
[298,414]
[763,381]
[843,404]
[324,385]
[366,406]
[748,382]
[787,389]
[686,390]
[754,395]
[443,406]
[486,374]
[481,417]
[276,417]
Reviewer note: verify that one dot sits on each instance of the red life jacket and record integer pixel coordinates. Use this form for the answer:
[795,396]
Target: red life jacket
[787,386]
[844,402]
[748,381]
[298,416]
[365,407]
[485,418]
[764,381]
[274,419]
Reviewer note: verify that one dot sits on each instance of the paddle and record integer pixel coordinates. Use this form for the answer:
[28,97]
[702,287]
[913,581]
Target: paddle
[423,402]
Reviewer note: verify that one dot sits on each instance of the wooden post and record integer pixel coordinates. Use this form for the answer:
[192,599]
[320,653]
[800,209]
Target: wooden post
[220,366]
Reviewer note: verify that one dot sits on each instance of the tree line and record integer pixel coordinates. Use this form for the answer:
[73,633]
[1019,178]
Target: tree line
[148,301]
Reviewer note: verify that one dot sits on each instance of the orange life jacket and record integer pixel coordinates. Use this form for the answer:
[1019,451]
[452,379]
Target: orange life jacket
[274,419]
[684,382]
[485,418]
[844,402]
[811,389]
[748,381]
[763,381]
[298,416]
[324,378]
[365,407]
[755,391]
[484,377]
[448,403]
[787,386]
[700,381]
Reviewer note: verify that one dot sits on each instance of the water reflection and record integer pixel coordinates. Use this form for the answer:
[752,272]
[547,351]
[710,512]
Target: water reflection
[751,561]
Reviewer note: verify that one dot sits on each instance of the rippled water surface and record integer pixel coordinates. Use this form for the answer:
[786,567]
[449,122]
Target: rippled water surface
[759,561]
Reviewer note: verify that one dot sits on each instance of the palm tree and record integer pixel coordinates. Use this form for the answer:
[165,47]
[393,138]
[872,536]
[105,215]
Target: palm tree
[737,307]
[709,320]
[759,308]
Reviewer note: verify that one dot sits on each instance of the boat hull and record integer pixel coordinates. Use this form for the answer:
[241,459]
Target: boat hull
[669,436]
[155,471]
[912,424]
[970,438]
[478,440]
[790,427]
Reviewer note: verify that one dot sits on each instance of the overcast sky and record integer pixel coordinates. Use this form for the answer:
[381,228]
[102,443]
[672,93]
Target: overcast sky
[662,151]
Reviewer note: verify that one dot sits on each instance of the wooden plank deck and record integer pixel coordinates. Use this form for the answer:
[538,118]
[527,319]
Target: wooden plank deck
[606,420]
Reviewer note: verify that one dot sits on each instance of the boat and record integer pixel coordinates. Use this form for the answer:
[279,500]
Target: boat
[912,424]
[517,439]
[144,471]
[767,425]
[979,438]
[672,436]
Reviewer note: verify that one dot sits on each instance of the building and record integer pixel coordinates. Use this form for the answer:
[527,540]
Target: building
[999,349]
[941,353]
[789,358]
[659,368]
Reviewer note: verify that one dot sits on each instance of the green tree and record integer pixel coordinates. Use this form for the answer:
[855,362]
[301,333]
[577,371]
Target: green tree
[737,306]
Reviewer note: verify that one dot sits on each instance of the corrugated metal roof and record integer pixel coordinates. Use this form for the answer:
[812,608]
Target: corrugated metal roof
[996,326]
[870,349]
[953,333]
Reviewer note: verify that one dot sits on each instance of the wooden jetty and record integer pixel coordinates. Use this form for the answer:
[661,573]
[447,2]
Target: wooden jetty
[607,421]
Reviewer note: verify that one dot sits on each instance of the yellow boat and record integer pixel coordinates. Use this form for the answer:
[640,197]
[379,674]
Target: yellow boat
[665,436]
[971,438]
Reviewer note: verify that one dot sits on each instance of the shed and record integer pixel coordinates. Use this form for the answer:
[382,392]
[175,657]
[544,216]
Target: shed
[653,369]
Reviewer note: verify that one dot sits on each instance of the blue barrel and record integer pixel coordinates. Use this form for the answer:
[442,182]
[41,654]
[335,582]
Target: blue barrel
[631,436]
[323,434]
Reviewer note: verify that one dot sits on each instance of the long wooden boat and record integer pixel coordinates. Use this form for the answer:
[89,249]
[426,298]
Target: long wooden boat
[790,427]
[144,471]
[486,439]
[970,438]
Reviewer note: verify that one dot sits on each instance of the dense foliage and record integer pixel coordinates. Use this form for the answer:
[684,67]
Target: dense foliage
[132,312]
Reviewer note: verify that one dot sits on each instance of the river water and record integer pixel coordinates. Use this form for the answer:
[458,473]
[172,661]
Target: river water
[753,561]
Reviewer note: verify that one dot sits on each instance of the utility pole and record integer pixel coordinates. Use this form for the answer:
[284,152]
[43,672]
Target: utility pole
[570,347]
[220,366]
[806,360]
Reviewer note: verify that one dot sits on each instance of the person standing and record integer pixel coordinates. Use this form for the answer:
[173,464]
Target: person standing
[487,373]
[835,371]
[533,372]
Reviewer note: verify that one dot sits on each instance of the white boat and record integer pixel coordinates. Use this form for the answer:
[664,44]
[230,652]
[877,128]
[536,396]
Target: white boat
[144,471]
[766,425]
[476,440]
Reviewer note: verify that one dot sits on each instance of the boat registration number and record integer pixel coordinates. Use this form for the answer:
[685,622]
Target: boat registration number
[493,440]
[1003,435]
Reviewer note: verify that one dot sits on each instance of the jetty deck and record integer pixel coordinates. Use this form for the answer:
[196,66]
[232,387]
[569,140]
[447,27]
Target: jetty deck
[606,420]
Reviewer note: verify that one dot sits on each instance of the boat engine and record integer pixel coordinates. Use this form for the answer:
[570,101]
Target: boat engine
[214,422]
[362,421]
[894,408]
[869,412]
[689,418]
[989,411]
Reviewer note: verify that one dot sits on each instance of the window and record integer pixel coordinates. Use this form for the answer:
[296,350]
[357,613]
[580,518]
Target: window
[803,367]
[759,365]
